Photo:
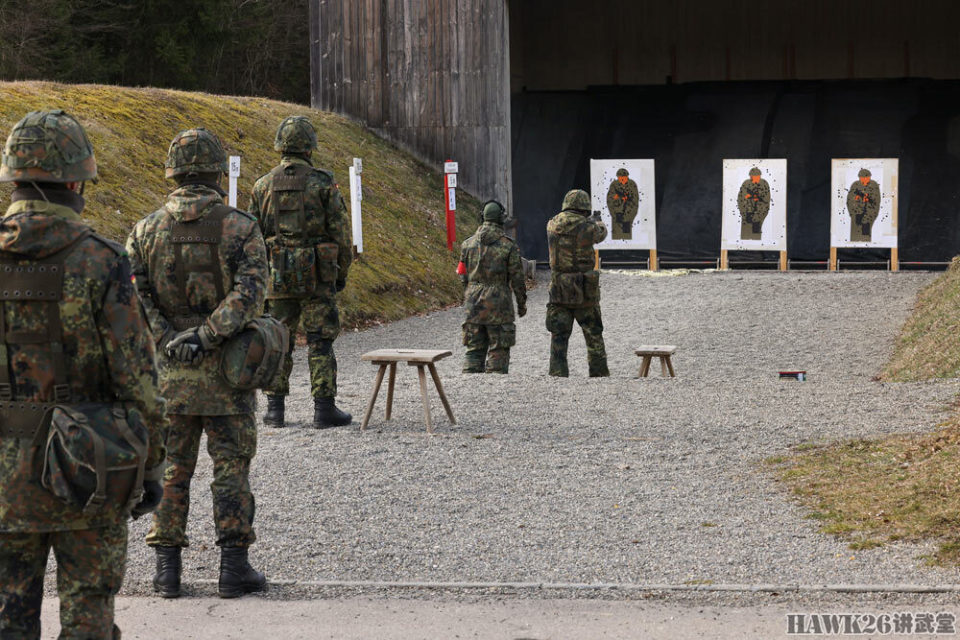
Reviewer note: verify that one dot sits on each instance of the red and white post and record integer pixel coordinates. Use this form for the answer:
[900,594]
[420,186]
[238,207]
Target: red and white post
[450,169]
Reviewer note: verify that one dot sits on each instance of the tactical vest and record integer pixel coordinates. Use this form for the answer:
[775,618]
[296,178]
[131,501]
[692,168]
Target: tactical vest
[39,282]
[94,452]
[208,231]
[573,280]
[299,264]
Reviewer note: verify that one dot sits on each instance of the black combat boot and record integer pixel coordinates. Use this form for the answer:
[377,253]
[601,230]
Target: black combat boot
[274,415]
[326,414]
[237,577]
[167,580]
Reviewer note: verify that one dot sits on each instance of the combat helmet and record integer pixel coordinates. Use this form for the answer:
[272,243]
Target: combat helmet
[864,173]
[755,172]
[622,173]
[195,151]
[576,200]
[48,146]
[295,135]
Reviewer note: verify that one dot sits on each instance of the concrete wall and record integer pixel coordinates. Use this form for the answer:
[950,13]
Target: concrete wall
[430,75]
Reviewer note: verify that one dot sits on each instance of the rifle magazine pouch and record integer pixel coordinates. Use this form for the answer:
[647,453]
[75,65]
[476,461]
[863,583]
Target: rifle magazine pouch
[294,270]
[327,266]
[567,289]
[95,455]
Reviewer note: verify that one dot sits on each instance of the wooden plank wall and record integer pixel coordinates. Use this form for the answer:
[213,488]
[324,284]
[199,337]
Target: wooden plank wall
[430,75]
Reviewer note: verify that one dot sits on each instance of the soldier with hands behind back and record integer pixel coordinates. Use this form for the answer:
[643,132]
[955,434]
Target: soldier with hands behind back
[201,270]
[575,283]
[305,224]
[77,367]
[489,268]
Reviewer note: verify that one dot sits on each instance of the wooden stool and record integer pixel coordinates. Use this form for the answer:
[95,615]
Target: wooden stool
[663,352]
[418,358]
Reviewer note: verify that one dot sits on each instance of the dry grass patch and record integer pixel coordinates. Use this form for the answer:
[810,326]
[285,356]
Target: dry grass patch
[872,492]
[405,269]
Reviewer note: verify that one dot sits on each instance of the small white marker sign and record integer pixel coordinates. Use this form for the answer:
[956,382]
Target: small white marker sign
[451,167]
[452,180]
[234,174]
[358,165]
[453,199]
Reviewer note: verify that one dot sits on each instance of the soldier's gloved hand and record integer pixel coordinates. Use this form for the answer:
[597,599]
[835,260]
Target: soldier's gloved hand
[340,285]
[521,309]
[152,492]
[192,345]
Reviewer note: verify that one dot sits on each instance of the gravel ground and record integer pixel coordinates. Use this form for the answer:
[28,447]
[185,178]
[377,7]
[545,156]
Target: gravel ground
[592,480]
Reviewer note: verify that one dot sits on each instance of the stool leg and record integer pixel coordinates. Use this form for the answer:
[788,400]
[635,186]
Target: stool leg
[392,379]
[443,396]
[423,395]
[373,396]
[645,366]
[670,367]
[663,366]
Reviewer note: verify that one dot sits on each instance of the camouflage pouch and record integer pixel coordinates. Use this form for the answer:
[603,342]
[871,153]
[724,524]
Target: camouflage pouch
[253,358]
[95,455]
[327,266]
[293,270]
[566,289]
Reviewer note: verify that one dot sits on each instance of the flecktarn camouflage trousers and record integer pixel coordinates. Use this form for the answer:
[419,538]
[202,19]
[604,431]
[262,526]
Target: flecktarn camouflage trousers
[490,342]
[231,443]
[321,322]
[90,565]
[560,325]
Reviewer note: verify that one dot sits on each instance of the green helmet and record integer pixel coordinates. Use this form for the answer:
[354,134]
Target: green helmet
[493,211]
[295,135]
[622,173]
[48,146]
[755,172]
[864,173]
[576,200]
[195,151]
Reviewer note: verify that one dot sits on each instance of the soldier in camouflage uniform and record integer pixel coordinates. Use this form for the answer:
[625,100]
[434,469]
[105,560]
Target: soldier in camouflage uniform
[305,224]
[574,283]
[753,201]
[489,267]
[863,205]
[623,201]
[201,270]
[104,354]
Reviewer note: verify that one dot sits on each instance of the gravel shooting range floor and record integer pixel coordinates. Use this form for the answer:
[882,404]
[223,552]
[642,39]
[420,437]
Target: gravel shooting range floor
[578,480]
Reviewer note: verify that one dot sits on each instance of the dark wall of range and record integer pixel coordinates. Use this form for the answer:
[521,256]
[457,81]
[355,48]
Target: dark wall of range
[689,129]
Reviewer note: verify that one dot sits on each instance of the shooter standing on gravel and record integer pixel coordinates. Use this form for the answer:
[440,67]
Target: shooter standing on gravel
[489,268]
[575,283]
[305,224]
[71,334]
[201,270]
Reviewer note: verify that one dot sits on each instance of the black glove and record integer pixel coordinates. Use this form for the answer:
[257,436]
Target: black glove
[521,309]
[341,285]
[152,492]
[192,345]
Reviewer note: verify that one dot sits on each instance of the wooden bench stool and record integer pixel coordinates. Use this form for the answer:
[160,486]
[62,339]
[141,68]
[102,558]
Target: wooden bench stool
[418,358]
[663,352]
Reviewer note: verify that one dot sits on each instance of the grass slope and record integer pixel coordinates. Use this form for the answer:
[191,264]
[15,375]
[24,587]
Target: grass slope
[405,268]
[903,487]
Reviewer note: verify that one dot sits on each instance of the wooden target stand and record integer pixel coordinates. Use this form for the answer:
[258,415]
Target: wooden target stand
[894,259]
[652,263]
[725,261]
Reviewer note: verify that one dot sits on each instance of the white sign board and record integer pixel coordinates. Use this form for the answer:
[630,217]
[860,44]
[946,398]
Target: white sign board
[754,210]
[453,199]
[358,165]
[623,191]
[856,218]
[451,167]
[356,198]
[234,174]
[451,181]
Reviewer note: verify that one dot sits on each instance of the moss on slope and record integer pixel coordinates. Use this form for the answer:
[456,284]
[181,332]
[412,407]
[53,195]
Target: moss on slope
[405,268]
